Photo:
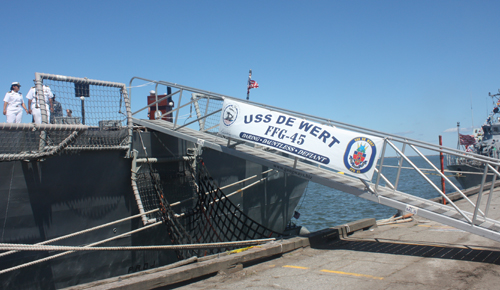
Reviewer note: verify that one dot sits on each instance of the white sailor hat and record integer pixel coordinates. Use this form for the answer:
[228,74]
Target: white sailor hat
[152,92]
[16,84]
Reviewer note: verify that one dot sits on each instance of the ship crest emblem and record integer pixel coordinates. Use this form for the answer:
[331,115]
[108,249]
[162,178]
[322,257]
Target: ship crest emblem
[357,160]
[360,155]
[230,114]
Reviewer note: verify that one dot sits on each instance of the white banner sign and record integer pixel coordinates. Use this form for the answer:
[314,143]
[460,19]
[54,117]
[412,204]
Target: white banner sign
[350,152]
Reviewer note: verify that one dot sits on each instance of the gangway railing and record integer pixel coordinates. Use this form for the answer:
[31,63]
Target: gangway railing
[384,187]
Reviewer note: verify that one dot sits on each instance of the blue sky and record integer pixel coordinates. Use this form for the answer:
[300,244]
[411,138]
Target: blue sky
[412,68]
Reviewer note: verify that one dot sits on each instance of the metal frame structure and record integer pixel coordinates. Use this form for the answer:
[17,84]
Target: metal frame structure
[39,77]
[71,131]
[380,191]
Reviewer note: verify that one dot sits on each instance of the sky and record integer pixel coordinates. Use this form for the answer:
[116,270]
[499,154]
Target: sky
[411,68]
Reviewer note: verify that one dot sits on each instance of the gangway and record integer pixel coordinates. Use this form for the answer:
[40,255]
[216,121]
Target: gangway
[208,107]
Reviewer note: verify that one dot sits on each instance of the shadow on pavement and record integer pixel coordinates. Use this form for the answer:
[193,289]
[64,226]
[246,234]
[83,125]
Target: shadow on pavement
[441,252]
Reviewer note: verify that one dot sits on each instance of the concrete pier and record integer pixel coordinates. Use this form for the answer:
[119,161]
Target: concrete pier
[361,255]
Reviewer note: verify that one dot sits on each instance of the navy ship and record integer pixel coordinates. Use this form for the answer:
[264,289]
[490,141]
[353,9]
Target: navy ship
[484,141]
[94,178]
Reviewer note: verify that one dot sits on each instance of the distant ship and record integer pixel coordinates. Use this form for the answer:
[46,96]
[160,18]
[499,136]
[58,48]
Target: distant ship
[484,141]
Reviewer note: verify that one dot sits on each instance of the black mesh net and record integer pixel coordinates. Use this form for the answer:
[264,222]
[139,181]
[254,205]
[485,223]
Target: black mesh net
[213,219]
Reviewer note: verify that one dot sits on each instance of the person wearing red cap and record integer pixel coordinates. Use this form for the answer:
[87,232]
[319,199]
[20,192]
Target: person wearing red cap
[13,104]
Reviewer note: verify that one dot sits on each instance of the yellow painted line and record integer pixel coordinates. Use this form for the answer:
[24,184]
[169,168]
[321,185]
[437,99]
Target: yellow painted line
[240,250]
[353,274]
[337,272]
[295,267]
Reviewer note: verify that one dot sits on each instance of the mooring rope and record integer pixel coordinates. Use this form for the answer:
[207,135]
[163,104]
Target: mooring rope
[69,252]
[26,247]
[395,220]
[86,230]
[227,186]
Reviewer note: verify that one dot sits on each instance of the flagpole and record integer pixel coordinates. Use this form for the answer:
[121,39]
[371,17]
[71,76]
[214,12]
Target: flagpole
[248,84]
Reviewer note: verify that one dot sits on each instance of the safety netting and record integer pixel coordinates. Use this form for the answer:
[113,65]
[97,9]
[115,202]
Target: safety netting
[214,218]
[81,114]
[91,104]
[205,105]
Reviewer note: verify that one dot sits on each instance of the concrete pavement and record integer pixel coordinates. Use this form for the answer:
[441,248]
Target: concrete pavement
[417,254]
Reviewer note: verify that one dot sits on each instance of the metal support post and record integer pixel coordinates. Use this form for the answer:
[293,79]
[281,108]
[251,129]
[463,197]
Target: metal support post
[399,167]
[479,195]
[206,112]
[177,113]
[381,164]
[495,170]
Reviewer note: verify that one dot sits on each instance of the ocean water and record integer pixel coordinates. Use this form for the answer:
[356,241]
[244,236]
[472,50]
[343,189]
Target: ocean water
[322,207]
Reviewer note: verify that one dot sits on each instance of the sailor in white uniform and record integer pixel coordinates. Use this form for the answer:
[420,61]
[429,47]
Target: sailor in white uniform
[13,104]
[34,103]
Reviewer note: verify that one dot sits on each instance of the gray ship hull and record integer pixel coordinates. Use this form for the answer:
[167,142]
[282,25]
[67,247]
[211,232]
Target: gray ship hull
[70,192]
[466,179]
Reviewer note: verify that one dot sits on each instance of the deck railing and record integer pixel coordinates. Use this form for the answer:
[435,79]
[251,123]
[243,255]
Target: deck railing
[83,114]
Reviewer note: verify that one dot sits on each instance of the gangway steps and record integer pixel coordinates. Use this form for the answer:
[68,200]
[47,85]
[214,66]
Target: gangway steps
[444,214]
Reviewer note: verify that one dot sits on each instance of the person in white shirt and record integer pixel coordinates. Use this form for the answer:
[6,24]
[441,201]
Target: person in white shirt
[34,103]
[13,104]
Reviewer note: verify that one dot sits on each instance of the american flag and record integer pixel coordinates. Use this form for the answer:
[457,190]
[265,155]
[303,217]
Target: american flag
[467,140]
[252,84]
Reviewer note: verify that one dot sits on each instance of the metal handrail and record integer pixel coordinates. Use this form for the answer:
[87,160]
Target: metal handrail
[155,103]
[446,178]
[329,122]
[429,181]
